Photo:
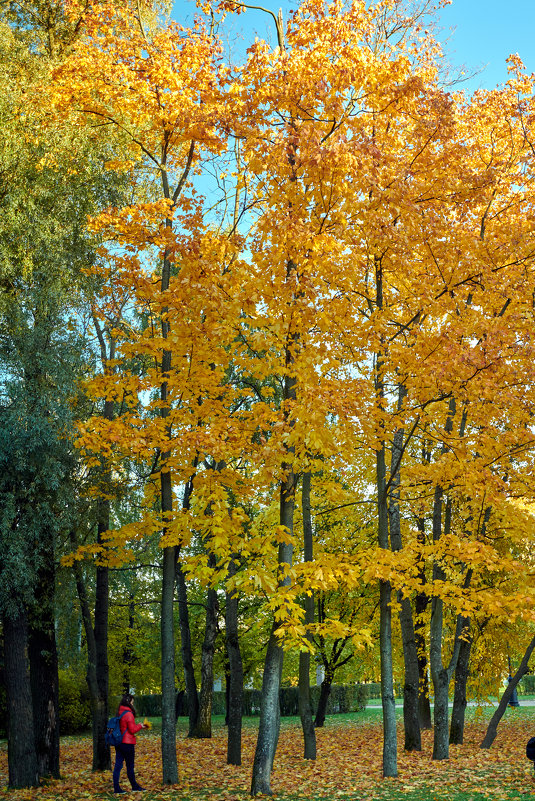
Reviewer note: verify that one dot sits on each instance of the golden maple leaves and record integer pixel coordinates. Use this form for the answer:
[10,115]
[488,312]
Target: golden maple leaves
[407,214]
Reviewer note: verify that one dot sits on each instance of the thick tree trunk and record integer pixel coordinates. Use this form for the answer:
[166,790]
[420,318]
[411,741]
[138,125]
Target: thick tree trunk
[21,754]
[168,742]
[325,691]
[234,684]
[43,658]
[459,694]
[492,728]
[203,729]
[305,707]
[186,650]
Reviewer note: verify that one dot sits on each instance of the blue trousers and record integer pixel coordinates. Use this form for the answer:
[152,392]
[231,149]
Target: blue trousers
[124,753]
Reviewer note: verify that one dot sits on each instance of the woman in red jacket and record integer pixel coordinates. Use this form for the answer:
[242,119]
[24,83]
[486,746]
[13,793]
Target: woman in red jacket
[125,751]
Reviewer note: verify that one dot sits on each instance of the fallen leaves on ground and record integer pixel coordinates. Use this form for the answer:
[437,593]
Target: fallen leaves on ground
[348,765]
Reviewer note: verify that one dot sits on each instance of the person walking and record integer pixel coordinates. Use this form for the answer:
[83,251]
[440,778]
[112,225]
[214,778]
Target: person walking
[125,752]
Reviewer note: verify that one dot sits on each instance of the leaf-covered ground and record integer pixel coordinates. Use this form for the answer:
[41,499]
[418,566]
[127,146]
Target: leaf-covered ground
[348,766]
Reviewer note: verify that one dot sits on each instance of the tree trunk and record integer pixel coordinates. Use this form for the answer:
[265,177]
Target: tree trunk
[439,674]
[203,729]
[385,632]
[43,659]
[459,694]
[411,712]
[268,731]
[411,718]
[168,742]
[325,691]
[128,649]
[234,683]
[100,712]
[390,767]
[99,704]
[21,754]
[492,728]
[305,707]
[420,605]
[186,650]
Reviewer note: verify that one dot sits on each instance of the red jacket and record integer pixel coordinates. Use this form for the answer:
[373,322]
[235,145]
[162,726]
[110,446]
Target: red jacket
[128,725]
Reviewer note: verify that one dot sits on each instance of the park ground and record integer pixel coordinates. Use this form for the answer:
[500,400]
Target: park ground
[348,765]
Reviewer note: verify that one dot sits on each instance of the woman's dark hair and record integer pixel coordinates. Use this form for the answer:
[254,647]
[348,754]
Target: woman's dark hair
[127,700]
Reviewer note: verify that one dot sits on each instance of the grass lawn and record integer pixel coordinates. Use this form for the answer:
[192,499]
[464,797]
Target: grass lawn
[348,765]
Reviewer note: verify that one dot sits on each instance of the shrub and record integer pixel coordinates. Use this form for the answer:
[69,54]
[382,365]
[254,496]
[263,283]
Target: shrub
[74,703]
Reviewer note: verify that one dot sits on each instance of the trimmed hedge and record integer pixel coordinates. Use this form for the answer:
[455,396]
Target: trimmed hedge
[527,684]
[373,689]
[343,698]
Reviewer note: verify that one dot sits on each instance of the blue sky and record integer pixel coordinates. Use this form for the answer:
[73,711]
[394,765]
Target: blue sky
[486,32]
[478,34]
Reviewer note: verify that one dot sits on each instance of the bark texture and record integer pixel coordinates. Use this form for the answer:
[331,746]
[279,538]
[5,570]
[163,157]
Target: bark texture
[323,700]
[385,633]
[411,718]
[235,677]
[43,658]
[203,728]
[268,731]
[420,606]
[186,650]
[168,742]
[21,755]
[459,693]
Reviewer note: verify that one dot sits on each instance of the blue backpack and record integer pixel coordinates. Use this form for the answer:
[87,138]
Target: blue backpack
[113,734]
